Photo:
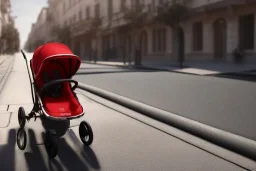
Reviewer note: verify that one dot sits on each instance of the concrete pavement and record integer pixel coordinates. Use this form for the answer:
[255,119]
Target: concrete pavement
[121,142]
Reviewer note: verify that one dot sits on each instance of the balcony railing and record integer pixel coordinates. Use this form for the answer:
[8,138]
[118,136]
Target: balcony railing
[85,25]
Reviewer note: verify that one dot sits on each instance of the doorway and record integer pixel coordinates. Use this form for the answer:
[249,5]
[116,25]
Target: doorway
[220,39]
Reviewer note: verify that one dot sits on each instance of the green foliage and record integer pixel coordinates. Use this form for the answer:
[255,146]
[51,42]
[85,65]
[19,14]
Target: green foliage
[96,22]
[10,39]
[137,16]
[62,34]
[172,13]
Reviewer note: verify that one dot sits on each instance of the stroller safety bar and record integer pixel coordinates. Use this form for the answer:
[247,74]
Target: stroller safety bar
[51,83]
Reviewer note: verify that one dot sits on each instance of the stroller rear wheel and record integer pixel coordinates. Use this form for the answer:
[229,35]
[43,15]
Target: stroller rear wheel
[85,133]
[21,139]
[51,143]
[22,117]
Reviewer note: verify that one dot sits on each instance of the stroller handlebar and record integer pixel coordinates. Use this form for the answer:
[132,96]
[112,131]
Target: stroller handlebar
[51,83]
[23,54]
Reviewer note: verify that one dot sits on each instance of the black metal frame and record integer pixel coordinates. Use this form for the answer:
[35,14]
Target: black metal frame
[36,95]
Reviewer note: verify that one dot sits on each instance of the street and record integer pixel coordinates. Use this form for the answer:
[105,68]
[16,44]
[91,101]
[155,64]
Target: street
[227,104]
[121,142]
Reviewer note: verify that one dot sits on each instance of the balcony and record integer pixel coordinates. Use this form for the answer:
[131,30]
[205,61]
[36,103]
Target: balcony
[84,26]
[211,5]
[117,20]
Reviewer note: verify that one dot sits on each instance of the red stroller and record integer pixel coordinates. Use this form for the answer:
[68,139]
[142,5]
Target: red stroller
[53,66]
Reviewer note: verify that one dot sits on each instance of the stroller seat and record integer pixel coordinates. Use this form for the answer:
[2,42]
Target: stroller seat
[59,100]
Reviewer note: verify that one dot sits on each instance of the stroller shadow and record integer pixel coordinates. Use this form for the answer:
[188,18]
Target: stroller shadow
[90,157]
[36,157]
[7,152]
[60,127]
[67,155]
[86,152]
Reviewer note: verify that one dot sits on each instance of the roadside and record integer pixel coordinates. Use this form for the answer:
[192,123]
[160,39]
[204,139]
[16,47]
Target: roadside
[193,68]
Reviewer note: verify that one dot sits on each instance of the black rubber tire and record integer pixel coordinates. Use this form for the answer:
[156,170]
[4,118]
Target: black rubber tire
[22,117]
[21,136]
[51,143]
[85,133]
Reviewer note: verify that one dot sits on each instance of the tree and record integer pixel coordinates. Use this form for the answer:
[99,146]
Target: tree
[136,17]
[10,39]
[62,34]
[94,27]
[173,13]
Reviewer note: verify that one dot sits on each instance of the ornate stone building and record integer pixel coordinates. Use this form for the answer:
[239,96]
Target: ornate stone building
[214,30]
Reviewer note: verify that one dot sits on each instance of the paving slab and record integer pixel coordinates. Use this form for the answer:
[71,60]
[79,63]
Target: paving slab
[3,108]
[4,119]
[120,143]
[117,145]
[15,107]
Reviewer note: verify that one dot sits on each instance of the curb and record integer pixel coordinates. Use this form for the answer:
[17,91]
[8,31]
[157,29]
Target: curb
[6,74]
[243,73]
[140,67]
[235,143]
[168,70]
[104,64]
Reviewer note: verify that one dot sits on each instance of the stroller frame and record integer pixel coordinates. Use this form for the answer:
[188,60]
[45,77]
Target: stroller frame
[85,130]
[36,97]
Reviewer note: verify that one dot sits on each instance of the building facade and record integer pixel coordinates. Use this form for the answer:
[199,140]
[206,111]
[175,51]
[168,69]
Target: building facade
[212,33]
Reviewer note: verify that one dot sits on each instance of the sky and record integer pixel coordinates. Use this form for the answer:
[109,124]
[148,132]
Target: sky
[27,12]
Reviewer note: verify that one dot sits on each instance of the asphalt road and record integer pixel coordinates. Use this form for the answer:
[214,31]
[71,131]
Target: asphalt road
[224,103]
[121,142]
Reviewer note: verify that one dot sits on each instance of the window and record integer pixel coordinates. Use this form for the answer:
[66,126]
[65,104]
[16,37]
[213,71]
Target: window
[122,5]
[88,12]
[246,32]
[97,10]
[110,9]
[137,3]
[154,41]
[197,36]
[70,3]
[64,7]
[159,40]
[80,15]
[154,3]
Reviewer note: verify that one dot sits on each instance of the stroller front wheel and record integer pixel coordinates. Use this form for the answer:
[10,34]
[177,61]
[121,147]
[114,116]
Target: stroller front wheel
[21,139]
[85,133]
[22,117]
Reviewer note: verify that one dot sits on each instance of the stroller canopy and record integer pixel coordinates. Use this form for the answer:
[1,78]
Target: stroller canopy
[56,52]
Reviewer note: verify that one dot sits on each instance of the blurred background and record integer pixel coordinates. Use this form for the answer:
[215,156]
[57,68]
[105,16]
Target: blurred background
[140,32]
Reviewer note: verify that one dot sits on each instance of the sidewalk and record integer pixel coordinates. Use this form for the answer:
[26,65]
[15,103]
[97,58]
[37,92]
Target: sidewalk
[194,68]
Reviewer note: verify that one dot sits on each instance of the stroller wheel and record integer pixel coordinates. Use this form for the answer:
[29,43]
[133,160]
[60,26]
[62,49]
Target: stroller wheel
[22,117]
[21,139]
[85,133]
[51,143]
